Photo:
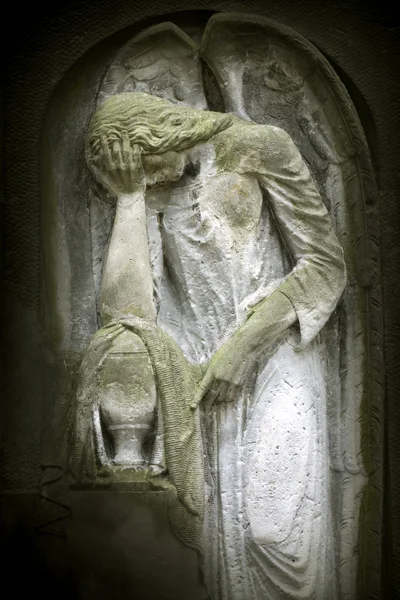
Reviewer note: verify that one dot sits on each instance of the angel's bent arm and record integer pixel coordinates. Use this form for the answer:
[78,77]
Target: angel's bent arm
[127,285]
[318,278]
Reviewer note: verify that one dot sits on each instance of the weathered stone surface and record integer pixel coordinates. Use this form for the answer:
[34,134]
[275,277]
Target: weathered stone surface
[191,223]
[312,23]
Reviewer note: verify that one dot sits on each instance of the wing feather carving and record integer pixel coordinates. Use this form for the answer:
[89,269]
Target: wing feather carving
[162,61]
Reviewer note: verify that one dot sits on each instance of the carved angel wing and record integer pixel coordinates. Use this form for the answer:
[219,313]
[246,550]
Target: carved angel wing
[268,74]
[162,61]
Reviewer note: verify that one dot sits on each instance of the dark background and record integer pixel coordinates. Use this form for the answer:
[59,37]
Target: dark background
[40,43]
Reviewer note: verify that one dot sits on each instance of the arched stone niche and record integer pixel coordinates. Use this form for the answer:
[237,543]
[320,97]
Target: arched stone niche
[264,72]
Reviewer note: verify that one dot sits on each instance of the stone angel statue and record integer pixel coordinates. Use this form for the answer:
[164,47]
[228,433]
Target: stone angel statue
[220,254]
[228,278]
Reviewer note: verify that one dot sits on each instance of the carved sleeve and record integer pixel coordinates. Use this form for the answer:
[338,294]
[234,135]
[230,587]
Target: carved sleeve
[318,278]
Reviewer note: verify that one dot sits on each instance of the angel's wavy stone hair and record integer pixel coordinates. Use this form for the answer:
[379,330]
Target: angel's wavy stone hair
[156,125]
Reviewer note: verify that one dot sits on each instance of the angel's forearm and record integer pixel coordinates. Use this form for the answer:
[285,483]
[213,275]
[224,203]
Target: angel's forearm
[127,286]
[272,317]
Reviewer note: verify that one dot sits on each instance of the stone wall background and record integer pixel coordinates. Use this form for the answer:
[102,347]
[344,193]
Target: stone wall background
[361,39]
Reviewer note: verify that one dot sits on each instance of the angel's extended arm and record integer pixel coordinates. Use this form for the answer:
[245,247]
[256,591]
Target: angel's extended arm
[127,285]
[317,280]
[310,292]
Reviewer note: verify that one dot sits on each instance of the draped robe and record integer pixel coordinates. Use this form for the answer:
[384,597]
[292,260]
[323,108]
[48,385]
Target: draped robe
[218,247]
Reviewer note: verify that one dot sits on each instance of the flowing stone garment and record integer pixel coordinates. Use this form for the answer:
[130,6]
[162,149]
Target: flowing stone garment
[275,76]
[217,248]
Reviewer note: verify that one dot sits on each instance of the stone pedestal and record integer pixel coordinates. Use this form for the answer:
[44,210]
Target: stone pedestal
[122,546]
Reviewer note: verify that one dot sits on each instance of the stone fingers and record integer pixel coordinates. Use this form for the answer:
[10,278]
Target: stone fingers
[213,394]
[126,151]
[202,389]
[227,392]
[137,166]
[122,163]
[213,390]
[108,160]
[117,155]
[127,164]
[119,164]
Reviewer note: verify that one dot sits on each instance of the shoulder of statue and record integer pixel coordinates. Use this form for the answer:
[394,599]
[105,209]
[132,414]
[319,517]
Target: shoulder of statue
[247,146]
